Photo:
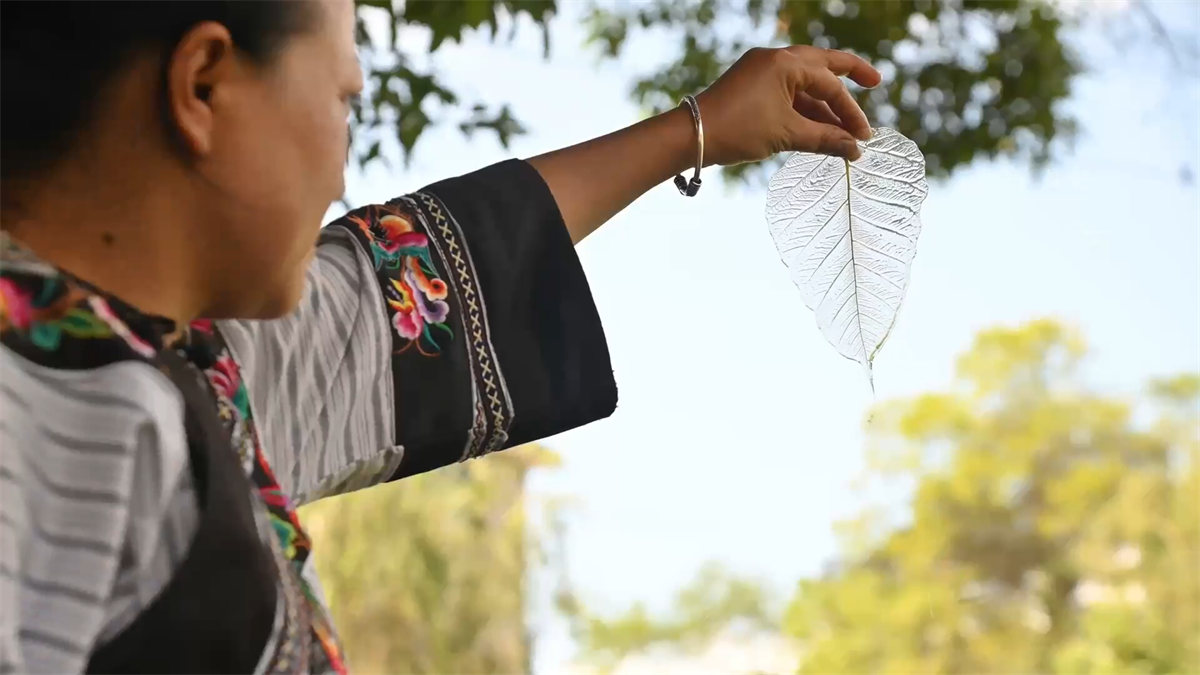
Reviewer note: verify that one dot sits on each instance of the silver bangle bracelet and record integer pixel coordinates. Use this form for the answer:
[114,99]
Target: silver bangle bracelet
[690,188]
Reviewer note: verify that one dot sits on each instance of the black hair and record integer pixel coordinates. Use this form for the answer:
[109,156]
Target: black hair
[56,57]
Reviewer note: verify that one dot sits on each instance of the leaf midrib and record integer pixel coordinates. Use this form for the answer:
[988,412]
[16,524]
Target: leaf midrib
[862,340]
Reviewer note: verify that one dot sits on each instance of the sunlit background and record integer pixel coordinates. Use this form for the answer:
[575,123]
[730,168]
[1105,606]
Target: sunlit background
[1032,507]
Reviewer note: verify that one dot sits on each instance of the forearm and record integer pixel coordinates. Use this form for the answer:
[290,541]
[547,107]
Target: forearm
[595,180]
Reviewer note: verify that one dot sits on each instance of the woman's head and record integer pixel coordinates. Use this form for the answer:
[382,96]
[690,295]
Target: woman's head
[224,122]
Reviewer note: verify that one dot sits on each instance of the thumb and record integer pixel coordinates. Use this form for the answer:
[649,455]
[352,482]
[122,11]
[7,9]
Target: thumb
[805,135]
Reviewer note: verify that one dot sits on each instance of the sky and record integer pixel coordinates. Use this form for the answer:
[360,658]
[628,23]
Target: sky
[739,428]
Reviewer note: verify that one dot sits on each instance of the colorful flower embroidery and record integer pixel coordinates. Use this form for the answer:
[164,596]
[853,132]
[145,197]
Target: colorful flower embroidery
[233,401]
[109,317]
[43,305]
[53,309]
[16,306]
[233,404]
[415,296]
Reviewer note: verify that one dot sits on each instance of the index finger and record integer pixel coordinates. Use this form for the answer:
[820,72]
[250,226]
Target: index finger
[823,85]
[843,63]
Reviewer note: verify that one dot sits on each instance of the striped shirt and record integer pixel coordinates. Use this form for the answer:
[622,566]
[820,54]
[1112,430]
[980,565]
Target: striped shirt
[498,344]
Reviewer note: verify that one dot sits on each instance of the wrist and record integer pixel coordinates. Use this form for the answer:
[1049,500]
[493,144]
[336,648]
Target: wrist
[677,132]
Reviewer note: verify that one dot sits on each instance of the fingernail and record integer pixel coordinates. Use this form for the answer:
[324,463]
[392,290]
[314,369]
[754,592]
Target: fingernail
[850,150]
[865,134]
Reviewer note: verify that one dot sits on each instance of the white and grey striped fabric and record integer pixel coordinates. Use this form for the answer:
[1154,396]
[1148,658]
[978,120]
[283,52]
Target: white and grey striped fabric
[320,380]
[96,502]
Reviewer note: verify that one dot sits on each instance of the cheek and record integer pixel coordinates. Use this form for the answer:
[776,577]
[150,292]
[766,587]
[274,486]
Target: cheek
[322,138]
[279,166]
[300,146]
[266,214]
[308,154]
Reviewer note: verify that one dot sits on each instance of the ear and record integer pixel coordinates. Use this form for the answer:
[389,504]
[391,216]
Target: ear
[201,63]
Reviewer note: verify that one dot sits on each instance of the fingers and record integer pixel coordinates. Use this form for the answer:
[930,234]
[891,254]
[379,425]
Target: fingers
[854,67]
[841,63]
[826,139]
[818,77]
[821,84]
[815,110]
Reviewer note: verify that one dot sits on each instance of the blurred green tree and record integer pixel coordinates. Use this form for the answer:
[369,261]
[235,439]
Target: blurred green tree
[1051,529]
[712,602]
[430,574]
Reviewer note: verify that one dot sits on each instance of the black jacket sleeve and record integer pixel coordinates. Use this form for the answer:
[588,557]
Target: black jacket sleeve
[496,337]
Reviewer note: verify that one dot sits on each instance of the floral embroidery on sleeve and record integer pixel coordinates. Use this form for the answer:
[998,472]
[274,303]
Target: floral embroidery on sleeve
[415,295]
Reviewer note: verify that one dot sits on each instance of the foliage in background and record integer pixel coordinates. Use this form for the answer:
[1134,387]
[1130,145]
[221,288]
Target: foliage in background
[965,79]
[401,99]
[430,574]
[712,602]
[1052,529]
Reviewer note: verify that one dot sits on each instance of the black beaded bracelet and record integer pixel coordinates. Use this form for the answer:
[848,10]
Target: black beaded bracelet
[686,187]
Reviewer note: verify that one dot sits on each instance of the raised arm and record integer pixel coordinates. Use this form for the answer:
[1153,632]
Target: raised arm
[770,101]
[456,321]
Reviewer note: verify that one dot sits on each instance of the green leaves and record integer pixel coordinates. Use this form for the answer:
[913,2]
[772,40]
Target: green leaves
[965,80]
[429,574]
[711,602]
[1051,530]
[401,102]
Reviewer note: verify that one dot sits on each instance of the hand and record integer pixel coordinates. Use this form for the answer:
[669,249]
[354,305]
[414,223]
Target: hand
[770,101]
[789,99]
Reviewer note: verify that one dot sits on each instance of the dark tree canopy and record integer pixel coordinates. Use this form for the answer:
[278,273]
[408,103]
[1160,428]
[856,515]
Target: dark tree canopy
[966,79]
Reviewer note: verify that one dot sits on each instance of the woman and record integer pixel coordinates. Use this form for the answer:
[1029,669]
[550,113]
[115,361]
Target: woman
[187,356]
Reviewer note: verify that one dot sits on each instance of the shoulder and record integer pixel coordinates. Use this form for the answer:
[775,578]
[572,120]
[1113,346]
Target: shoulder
[91,463]
[93,450]
[79,436]
[69,364]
